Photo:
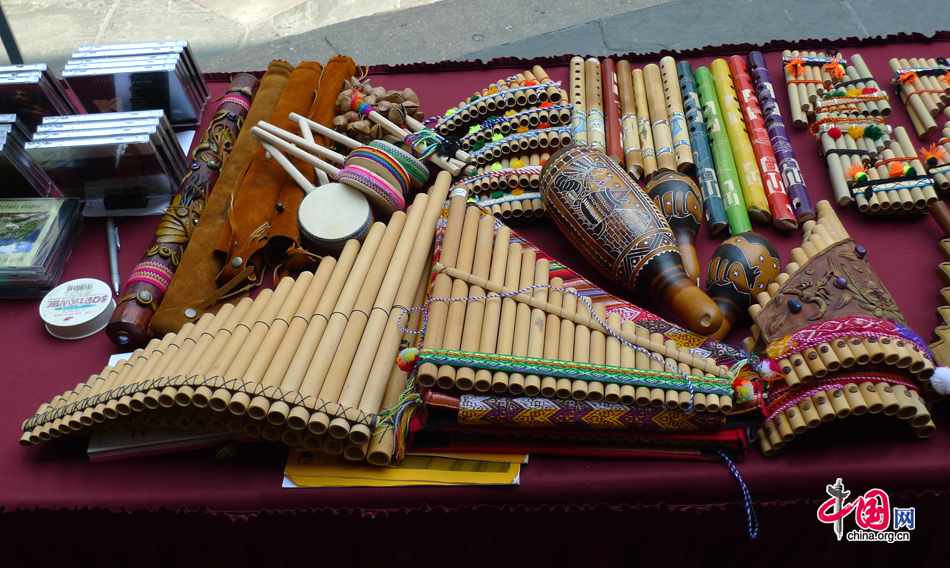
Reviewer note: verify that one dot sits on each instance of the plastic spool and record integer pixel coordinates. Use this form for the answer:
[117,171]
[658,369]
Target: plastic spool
[78,308]
[332,214]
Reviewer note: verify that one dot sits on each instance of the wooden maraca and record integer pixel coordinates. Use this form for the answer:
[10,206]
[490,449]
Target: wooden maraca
[679,200]
[616,226]
[742,267]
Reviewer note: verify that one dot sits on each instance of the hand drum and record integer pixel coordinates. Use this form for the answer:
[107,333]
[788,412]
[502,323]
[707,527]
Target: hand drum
[679,200]
[741,268]
[616,226]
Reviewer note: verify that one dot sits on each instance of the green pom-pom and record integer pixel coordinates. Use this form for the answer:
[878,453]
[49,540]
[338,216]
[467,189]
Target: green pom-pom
[450,112]
[910,172]
[478,146]
[497,137]
[861,177]
[873,132]
[473,99]
[407,359]
[744,392]
[498,195]
[496,167]
[473,129]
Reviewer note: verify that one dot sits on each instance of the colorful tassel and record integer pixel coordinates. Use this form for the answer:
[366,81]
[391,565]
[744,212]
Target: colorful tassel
[796,66]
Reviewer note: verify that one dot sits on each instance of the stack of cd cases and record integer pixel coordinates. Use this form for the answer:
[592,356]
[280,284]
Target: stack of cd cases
[37,238]
[32,92]
[124,158]
[139,76]
[21,176]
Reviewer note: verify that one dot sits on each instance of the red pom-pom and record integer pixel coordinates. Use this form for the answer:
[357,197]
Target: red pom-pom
[868,91]
[530,83]
[546,104]
[835,133]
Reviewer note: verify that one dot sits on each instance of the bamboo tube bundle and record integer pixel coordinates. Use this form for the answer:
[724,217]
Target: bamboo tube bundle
[918,84]
[494,129]
[854,361]
[544,342]
[550,138]
[509,189]
[807,75]
[306,363]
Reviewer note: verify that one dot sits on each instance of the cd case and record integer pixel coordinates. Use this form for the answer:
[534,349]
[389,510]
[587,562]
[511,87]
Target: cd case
[37,238]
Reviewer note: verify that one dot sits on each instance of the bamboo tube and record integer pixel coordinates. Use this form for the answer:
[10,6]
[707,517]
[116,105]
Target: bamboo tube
[565,313]
[296,329]
[656,102]
[580,388]
[612,348]
[922,417]
[642,395]
[657,396]
[858,63]
[312,371]
[927,194]
[315,325]
[593,99]
[474,313]
[809,413]
[923,106]
[803,95]
[628,120]
[236,370]
[784,429]
[853,395]
[340,340]
[772,433]
[566,343]
[598,355]
[492,313]
[380,449]
[839,183]
[522,326]
[537,322]
[506,322]
[764,445]
[828,407]
[552,333]
[208,347]
[871,397]
[810,73]
[674,102]
[442,287]
[452,336]
[647,152]
[796,419]
[407,265]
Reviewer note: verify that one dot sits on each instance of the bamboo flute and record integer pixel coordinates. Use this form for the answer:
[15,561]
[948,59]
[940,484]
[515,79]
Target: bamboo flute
[647,151]
[633,160]
[674,103]
[578,89]
[611,102]
[659,119]
[593,99]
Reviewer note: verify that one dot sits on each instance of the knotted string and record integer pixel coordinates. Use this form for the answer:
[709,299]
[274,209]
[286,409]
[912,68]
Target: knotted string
[749,510]
[425,321]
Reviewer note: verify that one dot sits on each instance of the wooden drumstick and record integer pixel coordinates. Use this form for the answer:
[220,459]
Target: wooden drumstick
[656,101]
[537,322]
[552,335]
[628,120]
[509,309]
[593,100]
[342,333]
[455,318]
[644,129]
[442,287]
[522,327]
[682,149]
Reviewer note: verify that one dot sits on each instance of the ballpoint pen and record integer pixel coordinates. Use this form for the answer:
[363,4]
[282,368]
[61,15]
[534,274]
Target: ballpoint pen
[112,234]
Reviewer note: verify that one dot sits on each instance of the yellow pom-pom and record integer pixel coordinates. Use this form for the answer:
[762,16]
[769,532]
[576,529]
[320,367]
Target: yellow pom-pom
[522,129]
[856,132]
[493,90]
[407,359]
[854,93]
[516,163]
[744,392]
[510,113]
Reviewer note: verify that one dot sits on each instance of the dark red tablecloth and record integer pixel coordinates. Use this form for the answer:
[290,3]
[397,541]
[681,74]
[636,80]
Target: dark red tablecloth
[564,511]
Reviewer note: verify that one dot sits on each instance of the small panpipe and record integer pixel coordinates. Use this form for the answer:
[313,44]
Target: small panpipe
[808,75]
[924,95]
[510,190]
[778,137]
[780,206]
[523,121]
[309,362]
[553,137]
[940,346]
[854,361]
[508,327]
[702,154]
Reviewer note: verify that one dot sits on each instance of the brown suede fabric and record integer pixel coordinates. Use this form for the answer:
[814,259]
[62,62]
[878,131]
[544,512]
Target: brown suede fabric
[194,280]
[284,244]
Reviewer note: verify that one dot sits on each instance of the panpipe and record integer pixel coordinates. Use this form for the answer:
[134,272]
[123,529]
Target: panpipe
[808,75]
[924,94]
[677,115]
[778,136]
[146,287]
[733,201]
[702,154]
[611,102]
[940,346]
[511,189]
[780,206]
[309,362]
[839,339]
[497,322]
[746,168]
[630,137]
[494,129]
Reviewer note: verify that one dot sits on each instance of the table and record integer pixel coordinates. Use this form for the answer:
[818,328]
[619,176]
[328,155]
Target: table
[57,507]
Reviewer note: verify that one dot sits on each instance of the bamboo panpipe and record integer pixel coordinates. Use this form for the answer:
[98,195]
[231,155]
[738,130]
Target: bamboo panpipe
[798,118]
[916,100]
[674,101]
[633,160]
[611,102]
[647,151]
[593,99]
[659,118]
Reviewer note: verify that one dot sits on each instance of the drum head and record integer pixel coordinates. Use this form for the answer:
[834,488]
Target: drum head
[334,213]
